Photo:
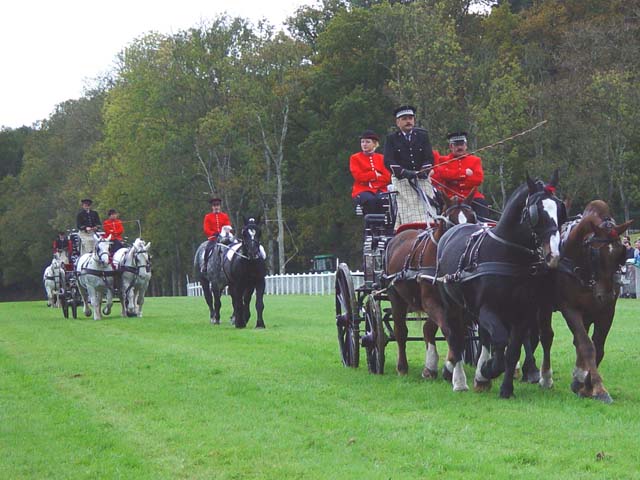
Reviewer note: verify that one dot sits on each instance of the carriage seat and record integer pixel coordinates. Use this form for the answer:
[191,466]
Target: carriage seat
[414,226]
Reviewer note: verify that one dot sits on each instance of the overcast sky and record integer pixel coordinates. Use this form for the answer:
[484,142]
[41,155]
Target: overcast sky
[51,49]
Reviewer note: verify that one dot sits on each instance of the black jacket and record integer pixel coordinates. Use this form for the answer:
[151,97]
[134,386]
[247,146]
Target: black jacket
[410,155]
[87,219]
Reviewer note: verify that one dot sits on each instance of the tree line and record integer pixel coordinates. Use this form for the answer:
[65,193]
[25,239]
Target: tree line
[267,119]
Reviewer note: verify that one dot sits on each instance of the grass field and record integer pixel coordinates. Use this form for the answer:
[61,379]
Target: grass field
[170,396]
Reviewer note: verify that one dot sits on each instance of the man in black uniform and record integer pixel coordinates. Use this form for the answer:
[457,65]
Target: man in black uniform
[87,222]
[409,157]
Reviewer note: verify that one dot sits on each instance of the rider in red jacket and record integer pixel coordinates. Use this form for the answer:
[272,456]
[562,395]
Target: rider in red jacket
[113,226]
[212,226]
[458,173]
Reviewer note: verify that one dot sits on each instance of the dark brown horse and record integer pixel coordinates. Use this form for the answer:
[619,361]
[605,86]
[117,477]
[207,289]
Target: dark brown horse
[585,291]
[410,255]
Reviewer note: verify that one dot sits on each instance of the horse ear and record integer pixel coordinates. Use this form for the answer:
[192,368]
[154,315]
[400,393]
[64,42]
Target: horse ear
[567,204]
[147,245]
[530,183]
[554,178]
[622,228]
[108,238]
[469,199]
[446,200]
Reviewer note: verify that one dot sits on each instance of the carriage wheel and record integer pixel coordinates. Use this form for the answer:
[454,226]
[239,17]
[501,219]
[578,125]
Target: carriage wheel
[375,339]
[471,351]
[348,333]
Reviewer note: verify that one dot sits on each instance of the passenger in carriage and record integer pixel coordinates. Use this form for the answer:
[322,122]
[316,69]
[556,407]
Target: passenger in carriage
[62,247]
[370,176]
[409,157]
[459,172]
[87,222]
[113,226]
[213,225]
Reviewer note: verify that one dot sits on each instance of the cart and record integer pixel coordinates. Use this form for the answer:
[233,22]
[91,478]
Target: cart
[362,319]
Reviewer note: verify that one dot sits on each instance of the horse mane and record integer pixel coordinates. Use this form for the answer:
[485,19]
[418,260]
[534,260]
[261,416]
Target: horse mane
[513,209]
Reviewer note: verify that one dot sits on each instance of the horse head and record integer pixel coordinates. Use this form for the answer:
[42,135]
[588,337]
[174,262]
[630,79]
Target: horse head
[101,250]
[543,213]
[250,234]
[599,249]
[457,210]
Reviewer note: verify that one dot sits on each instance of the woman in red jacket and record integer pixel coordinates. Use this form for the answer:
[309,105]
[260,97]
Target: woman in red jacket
[370,176]
[113,226]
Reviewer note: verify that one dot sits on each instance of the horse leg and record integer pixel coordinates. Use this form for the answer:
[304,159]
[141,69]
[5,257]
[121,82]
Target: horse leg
[429,331]
[140,301]
[512,355]
[601,326]
[109,300]
[480,383]
[586,378]
[530,371]
[96,300]
[260,303]
[499,341]
[237,295]
[400,330]
[246,299]
[208,297]
[217,304]
[86,300]
[546,340]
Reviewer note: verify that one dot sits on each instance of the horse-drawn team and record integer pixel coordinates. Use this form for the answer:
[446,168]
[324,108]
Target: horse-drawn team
[93,264]
[505,276]
[443,256]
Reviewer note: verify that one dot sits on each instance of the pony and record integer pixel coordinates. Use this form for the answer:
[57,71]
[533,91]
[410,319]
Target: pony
[95,278]
[212,279]
[134,266]
[409,257]
[497,275]
[584,290]
[53,279]
[245,269]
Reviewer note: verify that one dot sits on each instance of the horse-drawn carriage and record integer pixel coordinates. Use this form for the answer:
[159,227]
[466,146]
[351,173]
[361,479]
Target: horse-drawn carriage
[361,317]
[71,297]
[99,277]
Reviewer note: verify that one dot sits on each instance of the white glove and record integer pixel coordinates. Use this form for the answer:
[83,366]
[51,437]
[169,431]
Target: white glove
[469,172]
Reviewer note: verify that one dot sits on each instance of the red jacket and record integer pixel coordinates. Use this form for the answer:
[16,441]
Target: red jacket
[213,223]
[113,228]
[369,173]
[450,177]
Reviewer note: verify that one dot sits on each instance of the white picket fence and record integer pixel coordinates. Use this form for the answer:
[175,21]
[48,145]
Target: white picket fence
[294,284]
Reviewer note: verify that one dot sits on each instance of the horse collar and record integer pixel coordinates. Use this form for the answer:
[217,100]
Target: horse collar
[517,246]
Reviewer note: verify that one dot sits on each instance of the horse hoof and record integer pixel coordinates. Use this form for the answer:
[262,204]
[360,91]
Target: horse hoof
[576,386]
[87,314]
[480,386]
[260,327]
[604,397]
[402,371]
[463,387]
[429,374]
[506,394]
[131,314]
[446,374]
[531,377]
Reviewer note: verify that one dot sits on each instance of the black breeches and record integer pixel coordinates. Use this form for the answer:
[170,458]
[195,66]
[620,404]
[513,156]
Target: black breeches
[370,202]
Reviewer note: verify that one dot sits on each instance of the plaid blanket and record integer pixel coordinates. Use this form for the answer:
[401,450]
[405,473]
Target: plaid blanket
[412,207]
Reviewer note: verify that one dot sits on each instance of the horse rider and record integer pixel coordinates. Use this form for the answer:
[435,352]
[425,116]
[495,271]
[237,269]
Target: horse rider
[409,157]
[87,222]
[62,247]
[113,226]
[213,225]
[459,172]
[370,176]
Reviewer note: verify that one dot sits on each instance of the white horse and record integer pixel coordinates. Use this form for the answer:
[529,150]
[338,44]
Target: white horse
[53,278]
[135,269]
[95,278]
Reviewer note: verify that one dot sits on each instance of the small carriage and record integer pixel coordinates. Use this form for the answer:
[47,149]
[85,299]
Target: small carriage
[362,319]
[71,297]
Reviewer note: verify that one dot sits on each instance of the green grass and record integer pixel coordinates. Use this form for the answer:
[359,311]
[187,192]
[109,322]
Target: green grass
[170,396]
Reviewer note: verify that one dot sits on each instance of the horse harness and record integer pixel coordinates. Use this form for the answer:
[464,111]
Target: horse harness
[588,274]
[469,267]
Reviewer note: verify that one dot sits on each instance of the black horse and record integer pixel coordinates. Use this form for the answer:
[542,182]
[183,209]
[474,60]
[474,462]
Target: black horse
[497,274]
[245,269]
